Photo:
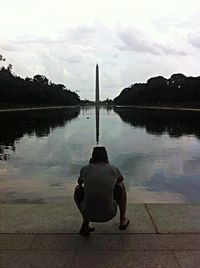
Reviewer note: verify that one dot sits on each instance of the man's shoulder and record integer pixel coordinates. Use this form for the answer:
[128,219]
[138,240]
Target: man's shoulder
[115,170]
[86,167]
[108,165]
[113,167]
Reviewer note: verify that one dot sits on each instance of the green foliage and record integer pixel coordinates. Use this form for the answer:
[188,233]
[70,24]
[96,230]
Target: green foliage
[178,89]
[36,91]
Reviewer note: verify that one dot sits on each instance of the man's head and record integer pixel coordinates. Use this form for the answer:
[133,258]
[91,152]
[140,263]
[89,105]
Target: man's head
[99,154]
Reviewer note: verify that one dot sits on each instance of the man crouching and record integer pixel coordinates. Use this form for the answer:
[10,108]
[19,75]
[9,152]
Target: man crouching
[103,190]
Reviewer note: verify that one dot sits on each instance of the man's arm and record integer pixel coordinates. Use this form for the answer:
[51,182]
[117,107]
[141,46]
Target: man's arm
[80,181]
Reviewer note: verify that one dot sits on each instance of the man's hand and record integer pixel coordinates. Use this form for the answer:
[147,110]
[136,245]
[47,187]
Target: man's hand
[80,181]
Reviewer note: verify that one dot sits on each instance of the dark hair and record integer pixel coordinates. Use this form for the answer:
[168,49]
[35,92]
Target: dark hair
[99,154]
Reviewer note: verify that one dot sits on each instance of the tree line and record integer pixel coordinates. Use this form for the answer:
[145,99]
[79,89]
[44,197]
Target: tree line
[158,122]
[33,91]
[177,90]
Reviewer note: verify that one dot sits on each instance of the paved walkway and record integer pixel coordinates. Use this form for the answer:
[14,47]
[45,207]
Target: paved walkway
[36,108]
[159,235]
[159,107]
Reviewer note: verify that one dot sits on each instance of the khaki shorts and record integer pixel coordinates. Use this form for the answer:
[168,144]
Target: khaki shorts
[79,193]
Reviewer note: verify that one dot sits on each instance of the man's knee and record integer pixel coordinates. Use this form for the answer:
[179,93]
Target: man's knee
[78,187]
[79,194]
[121,184]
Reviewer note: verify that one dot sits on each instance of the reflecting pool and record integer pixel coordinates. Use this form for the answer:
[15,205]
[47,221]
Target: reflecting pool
[157,151]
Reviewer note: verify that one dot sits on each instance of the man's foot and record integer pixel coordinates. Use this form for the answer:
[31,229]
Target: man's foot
[86,230]
[123,224]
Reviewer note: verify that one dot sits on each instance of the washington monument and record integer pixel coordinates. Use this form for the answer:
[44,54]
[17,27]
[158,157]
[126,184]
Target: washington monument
[97,84]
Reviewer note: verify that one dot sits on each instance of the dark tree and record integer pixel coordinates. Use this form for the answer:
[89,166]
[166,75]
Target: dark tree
[32,91]
[177,90]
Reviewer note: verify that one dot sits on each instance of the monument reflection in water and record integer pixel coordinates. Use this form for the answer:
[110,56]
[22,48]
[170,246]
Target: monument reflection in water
[97,117]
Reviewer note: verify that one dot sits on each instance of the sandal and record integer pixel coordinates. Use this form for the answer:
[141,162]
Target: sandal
[124,226]
[86,230]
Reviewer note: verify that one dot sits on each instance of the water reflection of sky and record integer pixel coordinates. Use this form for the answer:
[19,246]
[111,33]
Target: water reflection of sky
[157,168]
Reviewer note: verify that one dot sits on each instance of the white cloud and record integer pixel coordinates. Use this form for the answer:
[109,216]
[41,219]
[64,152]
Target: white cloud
[194,39]
[137,41]
[130,40]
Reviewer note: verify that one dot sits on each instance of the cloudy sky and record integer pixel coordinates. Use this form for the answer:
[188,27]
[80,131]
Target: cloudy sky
[130,40]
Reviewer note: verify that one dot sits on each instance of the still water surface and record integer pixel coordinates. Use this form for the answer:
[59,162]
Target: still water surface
[157,151]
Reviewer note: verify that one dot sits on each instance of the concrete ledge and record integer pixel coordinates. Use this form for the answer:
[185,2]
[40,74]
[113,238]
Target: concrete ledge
[175,218]
[46,236]
[27,259]
[100,242]
[99,250]
[59,218]
[16,241]
[98,259]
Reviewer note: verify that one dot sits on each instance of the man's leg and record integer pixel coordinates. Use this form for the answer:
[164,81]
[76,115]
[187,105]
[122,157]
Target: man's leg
[79,197]
[121,198]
